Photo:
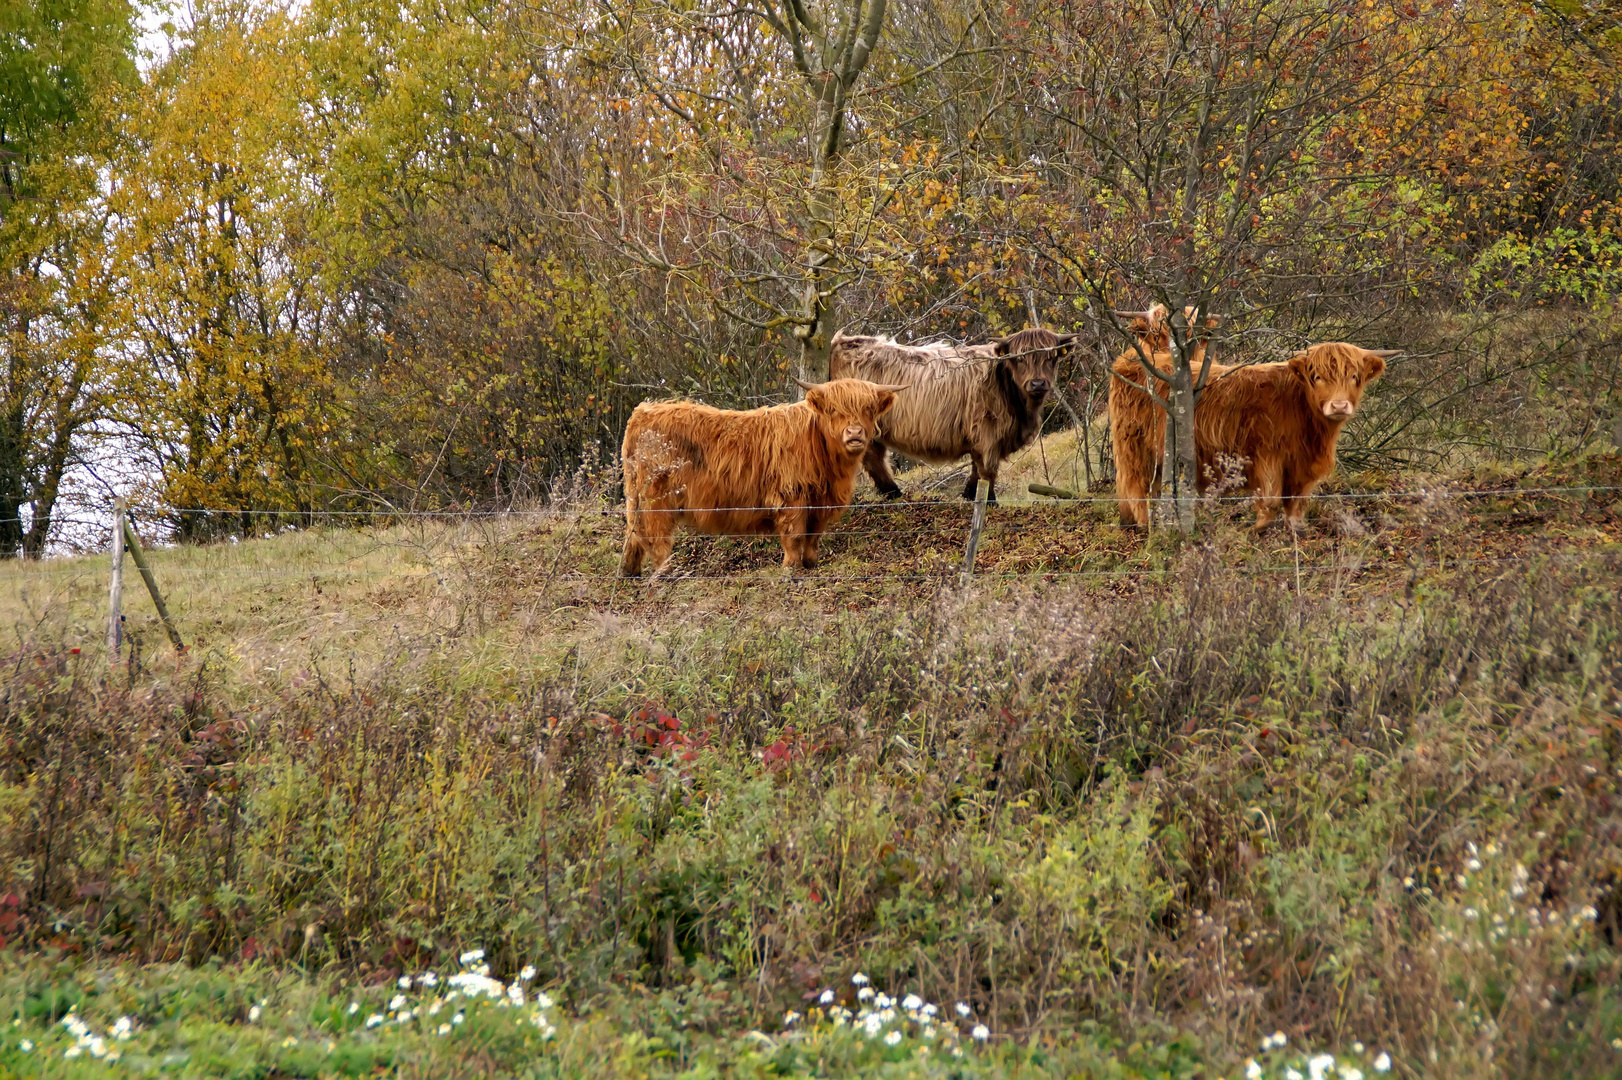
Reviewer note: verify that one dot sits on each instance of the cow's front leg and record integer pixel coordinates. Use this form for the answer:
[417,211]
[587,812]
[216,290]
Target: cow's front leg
[983,467]
[791,528]
[1296,494]
[810,556]
[879,469]
[1267,476]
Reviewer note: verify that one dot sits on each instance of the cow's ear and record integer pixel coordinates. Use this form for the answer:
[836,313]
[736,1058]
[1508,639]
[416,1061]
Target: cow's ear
[817,398]
[1298,364]
[884,399]
[1001,346]
[1067,342]
[1374,363]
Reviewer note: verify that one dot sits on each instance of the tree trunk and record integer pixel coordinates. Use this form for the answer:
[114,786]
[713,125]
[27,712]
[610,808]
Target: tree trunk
[817,305]
[830,56]
[1178,462]
[13,481]
[1187,464]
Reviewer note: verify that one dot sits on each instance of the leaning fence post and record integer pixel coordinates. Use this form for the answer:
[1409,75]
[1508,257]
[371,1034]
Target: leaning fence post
[981,491]
[152,586]
[115,590]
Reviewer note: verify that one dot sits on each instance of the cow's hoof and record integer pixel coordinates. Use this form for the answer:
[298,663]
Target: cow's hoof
[890,494]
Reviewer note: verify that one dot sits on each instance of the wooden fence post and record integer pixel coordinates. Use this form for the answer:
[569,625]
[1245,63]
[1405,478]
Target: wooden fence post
[115,591]
[981,491]
[152,587]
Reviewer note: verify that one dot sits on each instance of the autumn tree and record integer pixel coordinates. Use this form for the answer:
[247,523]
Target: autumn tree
[222,310]
[59,62]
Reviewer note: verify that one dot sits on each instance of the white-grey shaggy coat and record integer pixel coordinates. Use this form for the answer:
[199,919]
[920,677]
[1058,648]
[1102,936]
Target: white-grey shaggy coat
[981,400]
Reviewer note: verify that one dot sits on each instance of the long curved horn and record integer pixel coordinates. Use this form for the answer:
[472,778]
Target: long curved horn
[803,385]
[1131,314]
[1384,354]
[894,388]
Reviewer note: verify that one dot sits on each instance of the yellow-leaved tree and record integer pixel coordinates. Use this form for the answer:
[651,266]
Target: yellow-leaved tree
[223,311]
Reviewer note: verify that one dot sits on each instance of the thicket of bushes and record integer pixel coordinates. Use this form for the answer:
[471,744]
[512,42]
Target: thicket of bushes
[1226,806]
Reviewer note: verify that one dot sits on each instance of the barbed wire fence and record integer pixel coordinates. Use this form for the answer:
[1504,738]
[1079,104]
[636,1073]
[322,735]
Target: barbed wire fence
[933,526]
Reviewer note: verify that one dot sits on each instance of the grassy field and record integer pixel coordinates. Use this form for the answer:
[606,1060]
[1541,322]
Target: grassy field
[1135,805]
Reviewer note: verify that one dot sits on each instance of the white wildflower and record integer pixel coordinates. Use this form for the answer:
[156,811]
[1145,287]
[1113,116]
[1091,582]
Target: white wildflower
[374,1020]
[98,1049]
[912,1003]
[827,998]
[1383,1062]
[472,956]
[527,973]
[930,1009]
[873,1025]
[253,1015]
[433,1009]
[893,1039]
[980,1032]
[543,1000]
[458,1018]
[1473,865]
[354,1007]
[1350,1072]
[963,1010]
[26,1046]
[75,1026]
[428,978]
[404,982]
[1253,1071]
[883,1001]
[1469,913]
[73,1051]
[1319,1065]
[1588,914]
[396,1001]
[444,1029]
[791,1018]
[515,994]
[474,984]
[405,1014]
[859,979]
[864,994]
[1292,1074]
[122,1027]
[1357,1048]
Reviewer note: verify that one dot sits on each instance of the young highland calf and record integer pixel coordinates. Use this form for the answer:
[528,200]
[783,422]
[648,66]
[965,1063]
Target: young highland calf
[784,469]
[1285,418]
[981,400]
